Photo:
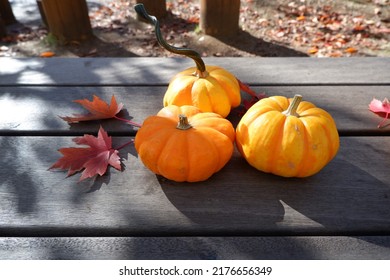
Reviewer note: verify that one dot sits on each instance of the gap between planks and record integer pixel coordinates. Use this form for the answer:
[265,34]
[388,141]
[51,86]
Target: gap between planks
[62,133]
[122,232]
[166,84]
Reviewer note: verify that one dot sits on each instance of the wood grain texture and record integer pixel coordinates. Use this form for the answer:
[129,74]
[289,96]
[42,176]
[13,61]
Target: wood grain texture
[343,212]
[68,20]
[197,248]
[35,110]
[350,196]
[220,18]
[159,71]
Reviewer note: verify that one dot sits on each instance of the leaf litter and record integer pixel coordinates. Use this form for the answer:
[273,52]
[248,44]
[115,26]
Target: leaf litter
[316,28]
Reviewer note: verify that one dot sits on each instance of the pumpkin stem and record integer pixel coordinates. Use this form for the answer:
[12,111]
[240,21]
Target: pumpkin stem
[292,109]
[140,9]
[183,123]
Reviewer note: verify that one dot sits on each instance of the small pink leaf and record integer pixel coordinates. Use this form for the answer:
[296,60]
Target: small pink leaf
[381,108]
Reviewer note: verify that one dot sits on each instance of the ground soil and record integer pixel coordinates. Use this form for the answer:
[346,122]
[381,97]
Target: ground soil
[267,28]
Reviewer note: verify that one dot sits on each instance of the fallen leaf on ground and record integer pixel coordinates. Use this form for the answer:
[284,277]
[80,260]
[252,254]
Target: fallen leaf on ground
[93,159]
[47,54]
[98,109]
[381,108]
[312,51]
[351,50]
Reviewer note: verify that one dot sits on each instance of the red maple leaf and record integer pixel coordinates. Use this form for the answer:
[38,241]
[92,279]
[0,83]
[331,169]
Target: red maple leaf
[98,109]
[244,87]
[93,159]
[254,95]
[381,108]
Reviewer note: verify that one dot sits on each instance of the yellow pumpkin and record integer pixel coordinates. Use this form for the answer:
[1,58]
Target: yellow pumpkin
[210,88]
[213,90]
[287,137]
[184,144]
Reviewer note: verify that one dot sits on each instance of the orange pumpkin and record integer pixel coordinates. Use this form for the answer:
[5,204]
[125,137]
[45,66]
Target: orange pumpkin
[210,88]
[287,137]
[184,144]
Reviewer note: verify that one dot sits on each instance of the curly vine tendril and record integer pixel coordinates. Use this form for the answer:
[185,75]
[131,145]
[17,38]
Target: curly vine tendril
[140,9]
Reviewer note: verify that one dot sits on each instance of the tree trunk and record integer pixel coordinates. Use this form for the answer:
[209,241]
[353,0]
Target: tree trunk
[219,17]
[68,20]
[6,12]
[155,8]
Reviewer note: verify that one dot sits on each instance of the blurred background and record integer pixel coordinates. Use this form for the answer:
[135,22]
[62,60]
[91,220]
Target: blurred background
[110,28]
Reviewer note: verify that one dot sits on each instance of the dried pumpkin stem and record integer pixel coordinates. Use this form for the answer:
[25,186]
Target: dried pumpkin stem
[183,123]
[292,109]
[140,9]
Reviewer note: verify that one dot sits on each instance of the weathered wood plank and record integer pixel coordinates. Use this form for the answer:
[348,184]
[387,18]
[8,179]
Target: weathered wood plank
[350,196]
[202,248]
[159,71]
[35,110]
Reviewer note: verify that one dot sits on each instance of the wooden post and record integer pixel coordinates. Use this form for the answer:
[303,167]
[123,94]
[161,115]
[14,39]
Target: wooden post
[219,17]
[157,8]
[3,30]
[6,12]
[68,20]
[42,13]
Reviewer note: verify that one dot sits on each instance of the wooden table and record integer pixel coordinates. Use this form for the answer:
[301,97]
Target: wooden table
[240,213]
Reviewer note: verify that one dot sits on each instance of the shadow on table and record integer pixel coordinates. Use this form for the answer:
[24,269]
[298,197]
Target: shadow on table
[336,201]
[343,199]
